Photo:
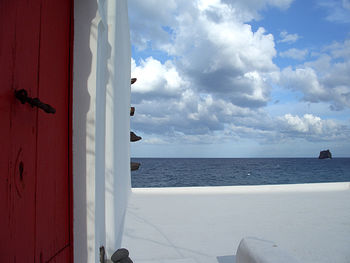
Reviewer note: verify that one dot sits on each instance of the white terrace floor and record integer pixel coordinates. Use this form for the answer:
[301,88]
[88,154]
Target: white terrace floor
[206,224]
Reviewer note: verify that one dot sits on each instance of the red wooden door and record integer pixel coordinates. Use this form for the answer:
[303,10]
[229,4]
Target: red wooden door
[35,178]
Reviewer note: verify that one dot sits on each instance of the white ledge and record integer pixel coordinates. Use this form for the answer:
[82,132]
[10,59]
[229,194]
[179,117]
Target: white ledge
[314,187]
[206,224]
[254,250]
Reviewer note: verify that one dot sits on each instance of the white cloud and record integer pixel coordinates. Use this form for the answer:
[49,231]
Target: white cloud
[157,79]
[155,140]
[312,127]
[224,56]
[305,124]
[285,37]
[216,52]
[294,53]
[339,50]
[217,77]
[325,79]
[248,10]
[304,79]
[338,10]
[147,19]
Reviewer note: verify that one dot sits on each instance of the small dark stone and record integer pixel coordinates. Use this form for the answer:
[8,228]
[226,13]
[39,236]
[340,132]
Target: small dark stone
[120,254]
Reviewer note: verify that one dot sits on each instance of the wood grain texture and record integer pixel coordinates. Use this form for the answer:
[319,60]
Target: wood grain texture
[35,194]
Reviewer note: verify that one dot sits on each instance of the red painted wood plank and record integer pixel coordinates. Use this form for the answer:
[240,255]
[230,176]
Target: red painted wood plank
[19,38]
[62,256]
[53,202]
[35,157]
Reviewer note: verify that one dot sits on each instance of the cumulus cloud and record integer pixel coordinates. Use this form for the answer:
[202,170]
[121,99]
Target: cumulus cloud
[156,79]
[221,68]
[288,128]
[150,19]
[285,37]
[326,79]
[147,21]
[306,124]
[304,79]
[294,53]
[190,113]
[215,77]
[312,127]
[220,55]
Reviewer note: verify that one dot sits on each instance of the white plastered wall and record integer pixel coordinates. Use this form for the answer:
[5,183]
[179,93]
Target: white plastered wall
[101,125]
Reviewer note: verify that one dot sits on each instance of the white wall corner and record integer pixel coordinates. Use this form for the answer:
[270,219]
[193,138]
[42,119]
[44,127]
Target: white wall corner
[101,126]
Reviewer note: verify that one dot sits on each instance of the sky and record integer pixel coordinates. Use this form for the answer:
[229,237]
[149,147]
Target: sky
[243,78]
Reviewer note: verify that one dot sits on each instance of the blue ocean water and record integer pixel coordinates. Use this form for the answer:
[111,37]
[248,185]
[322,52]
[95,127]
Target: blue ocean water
[179,172]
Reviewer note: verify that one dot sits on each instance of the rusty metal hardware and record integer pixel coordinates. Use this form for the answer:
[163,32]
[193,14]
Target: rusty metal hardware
[134,166]
[102,255]
[22,96]
[134,137]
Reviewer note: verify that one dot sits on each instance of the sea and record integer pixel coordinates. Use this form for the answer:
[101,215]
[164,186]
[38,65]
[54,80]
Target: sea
[186,172]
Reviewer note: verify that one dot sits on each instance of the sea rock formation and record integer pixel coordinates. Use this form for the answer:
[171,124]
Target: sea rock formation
[325,155]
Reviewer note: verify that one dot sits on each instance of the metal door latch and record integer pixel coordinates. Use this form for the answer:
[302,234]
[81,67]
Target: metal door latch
[22,96]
